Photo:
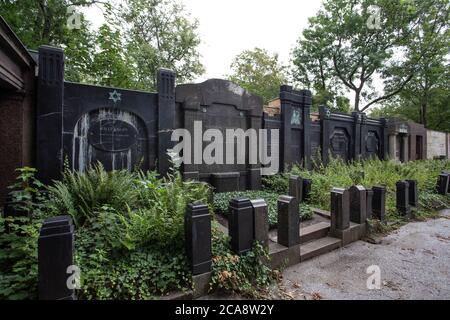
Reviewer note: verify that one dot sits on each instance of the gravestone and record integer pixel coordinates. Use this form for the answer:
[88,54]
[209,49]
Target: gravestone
[413,195]
[306,189]
[241,225]
[288,221]
[358,204]
[402,198]
[55,256]
[369,201]
[261,222]
[340,210]
[447,173]
[197,225]
[296,187]
[379,202]
[443,183]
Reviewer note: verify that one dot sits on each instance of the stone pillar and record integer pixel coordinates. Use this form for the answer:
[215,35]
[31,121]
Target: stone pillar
[197,230]
[306,189]
[443,183]
[261,222]
[358,204]
[166,117]
[49,117]
[405,148]
[340,211]
[306,119]
[55,256]
[288,221]
[296,188]
[402,198]
[393,147]
[357,121]
[241,225]
[369,200]
[379,202]
[384,143]
[413,193]
[325,113]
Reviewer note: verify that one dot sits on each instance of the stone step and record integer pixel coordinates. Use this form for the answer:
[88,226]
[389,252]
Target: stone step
[318,247]
[322,213]
[313,232]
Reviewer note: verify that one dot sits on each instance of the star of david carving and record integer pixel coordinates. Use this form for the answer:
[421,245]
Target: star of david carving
[115,96]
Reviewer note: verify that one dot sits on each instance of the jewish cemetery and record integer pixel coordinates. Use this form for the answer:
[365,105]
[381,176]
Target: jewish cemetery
[130,171]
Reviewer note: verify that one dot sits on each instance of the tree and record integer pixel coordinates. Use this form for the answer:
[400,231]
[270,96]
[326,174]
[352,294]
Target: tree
[259,72]
[159,33]
[354,51]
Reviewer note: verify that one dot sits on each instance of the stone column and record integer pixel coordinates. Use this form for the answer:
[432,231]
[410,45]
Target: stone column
[405,148]
[296,188]
[443,183]
[369,200]
[241,225]
[197,230]
[402,198]
[55,256]
[166,117]
[340,211]
[379,202]
[393,147]
[413,193]
[288,221]
[358,204]
[261,222]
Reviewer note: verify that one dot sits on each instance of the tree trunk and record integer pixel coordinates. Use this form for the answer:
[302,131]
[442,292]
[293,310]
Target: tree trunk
[423,114]
[357,98]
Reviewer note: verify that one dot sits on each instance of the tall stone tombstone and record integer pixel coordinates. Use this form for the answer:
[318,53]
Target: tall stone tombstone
[55,256]
[241,225]
[49,113]
[379,202]
[198,238]
[340,211]
[358,204]
[448,174]
[402,198]
[443,183]
[369,201]
[296,188]
[296,127]
[413,195]
[288,221]
[261,222]
[166,117]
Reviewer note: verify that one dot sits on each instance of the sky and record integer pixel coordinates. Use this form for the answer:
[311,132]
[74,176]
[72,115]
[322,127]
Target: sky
[228,27]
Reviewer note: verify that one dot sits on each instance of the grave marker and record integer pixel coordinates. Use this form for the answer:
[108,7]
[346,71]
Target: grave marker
[241,225]
[288,221]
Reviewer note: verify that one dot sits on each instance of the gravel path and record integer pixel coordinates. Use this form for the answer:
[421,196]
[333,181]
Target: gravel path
[414,262]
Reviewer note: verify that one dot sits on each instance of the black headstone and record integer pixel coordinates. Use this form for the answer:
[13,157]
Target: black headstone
[413,193]
[340,209]
[288,221]
[379,202]
[241,225]
[296,187]
[369,200]
[198,238]
[402,198]
[261,222]
[55,256]
[443,183]
[358,204]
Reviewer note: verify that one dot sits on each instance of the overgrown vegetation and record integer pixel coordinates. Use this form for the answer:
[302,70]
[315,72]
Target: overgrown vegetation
[222,200]
[369,173]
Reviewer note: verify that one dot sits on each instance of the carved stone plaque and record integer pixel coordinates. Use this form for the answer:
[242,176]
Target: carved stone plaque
[112,135]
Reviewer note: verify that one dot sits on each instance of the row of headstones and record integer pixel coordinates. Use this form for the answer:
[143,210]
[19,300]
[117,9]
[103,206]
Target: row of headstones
[248,221]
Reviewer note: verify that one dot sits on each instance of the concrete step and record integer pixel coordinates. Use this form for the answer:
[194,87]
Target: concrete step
[322,213]
[313,232]
[318,247]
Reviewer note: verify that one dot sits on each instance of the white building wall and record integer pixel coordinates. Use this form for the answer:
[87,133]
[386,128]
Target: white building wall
[437,144]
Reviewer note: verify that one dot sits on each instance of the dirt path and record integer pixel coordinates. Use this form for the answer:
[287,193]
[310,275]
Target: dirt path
[414,263]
